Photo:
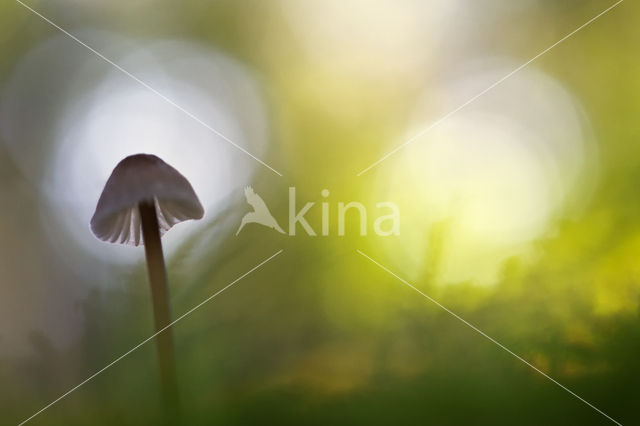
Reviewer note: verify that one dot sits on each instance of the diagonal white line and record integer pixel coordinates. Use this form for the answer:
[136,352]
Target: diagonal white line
[450,113]
[491,339]
[165,98]
[85,381]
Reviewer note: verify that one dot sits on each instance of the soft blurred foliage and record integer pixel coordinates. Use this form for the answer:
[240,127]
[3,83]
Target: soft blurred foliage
[533,236]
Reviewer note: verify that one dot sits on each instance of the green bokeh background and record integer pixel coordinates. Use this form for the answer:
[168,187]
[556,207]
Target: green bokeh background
[320,335]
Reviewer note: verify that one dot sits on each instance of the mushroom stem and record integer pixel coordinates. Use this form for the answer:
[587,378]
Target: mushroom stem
[161,311]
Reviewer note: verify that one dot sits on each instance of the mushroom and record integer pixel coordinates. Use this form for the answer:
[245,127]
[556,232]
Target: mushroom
[142,199]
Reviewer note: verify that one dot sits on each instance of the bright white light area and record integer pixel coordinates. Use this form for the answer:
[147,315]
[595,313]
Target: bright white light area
[122,118]
[492,177]
[111,116]
[482,169]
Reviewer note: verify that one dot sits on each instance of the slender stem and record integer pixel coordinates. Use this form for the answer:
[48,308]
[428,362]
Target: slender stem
[161,311]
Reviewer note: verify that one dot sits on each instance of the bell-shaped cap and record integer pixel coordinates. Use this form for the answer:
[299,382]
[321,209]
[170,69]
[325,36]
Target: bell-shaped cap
[142,178]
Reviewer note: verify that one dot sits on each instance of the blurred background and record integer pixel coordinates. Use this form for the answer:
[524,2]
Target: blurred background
[519,212]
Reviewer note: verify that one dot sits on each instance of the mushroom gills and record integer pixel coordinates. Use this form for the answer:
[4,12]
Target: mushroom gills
[126,226]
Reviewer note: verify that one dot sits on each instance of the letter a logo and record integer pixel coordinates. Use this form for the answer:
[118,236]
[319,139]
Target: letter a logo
[260,213]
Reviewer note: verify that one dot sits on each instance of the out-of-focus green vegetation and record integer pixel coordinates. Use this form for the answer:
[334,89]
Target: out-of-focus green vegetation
[320,334]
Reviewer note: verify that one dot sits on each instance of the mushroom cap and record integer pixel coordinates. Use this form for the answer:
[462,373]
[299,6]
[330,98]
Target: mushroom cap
[142,178]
